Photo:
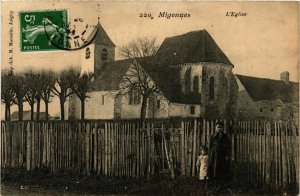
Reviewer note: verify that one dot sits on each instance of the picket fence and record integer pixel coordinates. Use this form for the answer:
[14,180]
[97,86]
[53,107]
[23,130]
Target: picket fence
[264,152]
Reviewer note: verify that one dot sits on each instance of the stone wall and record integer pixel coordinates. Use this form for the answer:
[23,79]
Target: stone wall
[192,70]
[223,104]
[184,110]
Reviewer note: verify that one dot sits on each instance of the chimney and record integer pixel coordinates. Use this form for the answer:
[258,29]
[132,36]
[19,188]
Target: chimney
[284,76]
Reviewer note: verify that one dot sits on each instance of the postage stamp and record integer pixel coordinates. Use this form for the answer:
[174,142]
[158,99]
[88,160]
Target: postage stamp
[37,26]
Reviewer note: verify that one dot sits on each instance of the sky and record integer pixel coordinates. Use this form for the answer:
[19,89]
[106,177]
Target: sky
[263,43]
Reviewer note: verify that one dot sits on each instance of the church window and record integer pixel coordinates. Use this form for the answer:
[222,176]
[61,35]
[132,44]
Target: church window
[104,54]
[134,96]
[192,109]
[211,88]
[196,84]
[158,104]
[187,81]
[260,109]
[103,100]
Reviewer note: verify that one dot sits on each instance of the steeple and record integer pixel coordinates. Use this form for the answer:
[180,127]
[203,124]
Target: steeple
[100,52]
[102,38]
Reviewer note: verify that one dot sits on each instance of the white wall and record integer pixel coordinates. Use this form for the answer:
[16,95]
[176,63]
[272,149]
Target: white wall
[94,108]
[183,110]
[87,65]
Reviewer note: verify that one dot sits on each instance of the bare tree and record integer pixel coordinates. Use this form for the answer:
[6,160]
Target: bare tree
[36,83]
[63,89]
[20,88]
[31,91]
[81,87]
[7,93]
[48,83]
[141,53]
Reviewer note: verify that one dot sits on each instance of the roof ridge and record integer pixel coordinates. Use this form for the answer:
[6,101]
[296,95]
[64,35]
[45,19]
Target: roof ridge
[265,78]
[202,30]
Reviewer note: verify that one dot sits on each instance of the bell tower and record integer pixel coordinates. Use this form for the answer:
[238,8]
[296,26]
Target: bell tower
[104,50]
[99,53]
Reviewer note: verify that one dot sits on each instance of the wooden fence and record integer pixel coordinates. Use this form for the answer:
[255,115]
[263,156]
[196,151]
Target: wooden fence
[263,152]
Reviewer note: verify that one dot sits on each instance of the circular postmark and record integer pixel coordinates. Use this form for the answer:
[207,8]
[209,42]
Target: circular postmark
[74,35]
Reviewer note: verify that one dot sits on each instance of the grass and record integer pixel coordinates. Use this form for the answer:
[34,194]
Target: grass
[68,182]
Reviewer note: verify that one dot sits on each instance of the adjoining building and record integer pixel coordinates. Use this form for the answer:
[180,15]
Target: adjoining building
[261,97]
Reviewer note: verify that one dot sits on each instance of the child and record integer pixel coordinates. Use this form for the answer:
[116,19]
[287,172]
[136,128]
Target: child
[202,164]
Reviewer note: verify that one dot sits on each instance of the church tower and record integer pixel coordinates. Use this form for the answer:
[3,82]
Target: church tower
[104,50]
[94,58]
[97,54]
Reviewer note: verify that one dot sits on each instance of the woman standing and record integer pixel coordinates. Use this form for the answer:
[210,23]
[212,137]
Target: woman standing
[219,156]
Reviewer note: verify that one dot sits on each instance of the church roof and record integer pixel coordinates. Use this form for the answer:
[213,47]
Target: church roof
[267,89]
[192,47]
[111,76]
[102,37]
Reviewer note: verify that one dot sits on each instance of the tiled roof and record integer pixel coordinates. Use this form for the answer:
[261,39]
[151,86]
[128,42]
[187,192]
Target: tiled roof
[267,89]
[192,47]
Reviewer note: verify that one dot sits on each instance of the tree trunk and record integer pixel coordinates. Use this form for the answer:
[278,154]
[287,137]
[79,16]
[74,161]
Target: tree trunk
[32,111]
[46,109]
[7,112]
[20,107]
[148,154]
[82,109]
[62,111]
[144,107]
[38,104]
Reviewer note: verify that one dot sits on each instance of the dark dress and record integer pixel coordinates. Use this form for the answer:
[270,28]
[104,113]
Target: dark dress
[219,148]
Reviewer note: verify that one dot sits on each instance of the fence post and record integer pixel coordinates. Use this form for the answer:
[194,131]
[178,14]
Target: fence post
[28,142]
[182,148]
[194,148]
[268,152]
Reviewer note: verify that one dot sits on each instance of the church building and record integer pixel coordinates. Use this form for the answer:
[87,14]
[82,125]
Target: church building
[193,76]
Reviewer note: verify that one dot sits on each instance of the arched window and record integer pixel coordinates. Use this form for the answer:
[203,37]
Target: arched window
[187,81]
[104,54]
[211,88]
[196,84]
[134,96]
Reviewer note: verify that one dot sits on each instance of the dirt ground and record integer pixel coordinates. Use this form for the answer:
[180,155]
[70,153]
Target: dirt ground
[42,182]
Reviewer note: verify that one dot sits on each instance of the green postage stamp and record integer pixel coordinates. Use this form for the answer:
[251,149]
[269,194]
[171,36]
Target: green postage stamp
[38,29]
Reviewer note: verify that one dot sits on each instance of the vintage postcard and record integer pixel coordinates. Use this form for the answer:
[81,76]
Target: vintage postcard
[180,98]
